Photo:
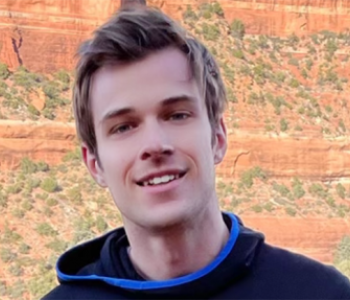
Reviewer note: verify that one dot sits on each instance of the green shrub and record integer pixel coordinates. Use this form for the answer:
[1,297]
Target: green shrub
[46,229]
[101,224]
[49,184]
[341,191]
[297,188]
[10,236]
[16,270]
[26,79]
[284,125]
[6,255]
[217,9]
[247,177]
[4,71]
[51,202]
[33,111]
[3,200]
[24,248]
[294,62]
[57,245]
[18,213]
[28,166]
[237,29]
[42,284]
[328,109]
[331,46]
[17,290]
[257,208]
[51,89]
[263,42]
[294,83]
[317,190]
[281,189]
[211,32]
[15,188]
[290,211]
[309,63]
[33,182]
[27,206]
[42,166]
[74,195]
[189,14]
[304,73]
[48,114]
[343,250]
[330,201]
[341,125]
[62,76]
[3,289]
[74,155]
[293,40]
[268,207]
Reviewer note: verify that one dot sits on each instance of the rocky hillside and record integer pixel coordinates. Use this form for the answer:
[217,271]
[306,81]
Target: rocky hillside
[287,169]
[43,34]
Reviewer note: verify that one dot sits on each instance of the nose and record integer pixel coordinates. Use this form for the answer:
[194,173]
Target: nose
[156,143]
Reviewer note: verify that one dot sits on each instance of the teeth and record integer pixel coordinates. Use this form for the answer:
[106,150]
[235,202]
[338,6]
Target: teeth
[163,179]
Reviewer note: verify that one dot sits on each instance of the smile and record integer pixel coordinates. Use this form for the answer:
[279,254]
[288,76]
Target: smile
[161,180]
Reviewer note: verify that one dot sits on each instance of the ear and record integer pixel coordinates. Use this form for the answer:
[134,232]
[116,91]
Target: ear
[91,162]
[220,141]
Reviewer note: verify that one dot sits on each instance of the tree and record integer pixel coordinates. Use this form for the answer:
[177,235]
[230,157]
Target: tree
[49,185]
[237,29]
[4,71]
[28,166]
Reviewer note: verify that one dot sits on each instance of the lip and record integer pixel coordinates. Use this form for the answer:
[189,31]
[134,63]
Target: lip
[160,174]
[162,188]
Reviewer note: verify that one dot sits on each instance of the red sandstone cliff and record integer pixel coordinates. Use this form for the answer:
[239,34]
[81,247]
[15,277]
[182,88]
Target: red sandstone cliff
[39,141]
[309,158]
[314,237]
[44,34]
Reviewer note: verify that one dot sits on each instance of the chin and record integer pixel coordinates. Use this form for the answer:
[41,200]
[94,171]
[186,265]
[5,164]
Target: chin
[166,217]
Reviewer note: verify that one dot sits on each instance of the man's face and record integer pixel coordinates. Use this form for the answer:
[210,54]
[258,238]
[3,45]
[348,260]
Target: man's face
[154,140]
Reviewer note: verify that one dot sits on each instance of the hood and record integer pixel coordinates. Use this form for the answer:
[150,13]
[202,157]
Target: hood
[90,261]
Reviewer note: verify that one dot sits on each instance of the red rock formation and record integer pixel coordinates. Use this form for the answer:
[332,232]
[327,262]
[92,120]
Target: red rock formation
[314,237]
[282,158]
[45,141]
[44,34]
[285,157]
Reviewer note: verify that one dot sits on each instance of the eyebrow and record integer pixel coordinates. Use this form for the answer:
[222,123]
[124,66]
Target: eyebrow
[128,110]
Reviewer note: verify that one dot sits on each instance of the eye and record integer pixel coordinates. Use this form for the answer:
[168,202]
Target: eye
[179,116]
[121,128]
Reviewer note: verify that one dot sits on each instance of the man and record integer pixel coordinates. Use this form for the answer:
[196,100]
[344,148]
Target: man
[149,102]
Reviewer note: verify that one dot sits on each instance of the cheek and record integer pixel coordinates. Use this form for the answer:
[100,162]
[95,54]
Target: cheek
[116,162]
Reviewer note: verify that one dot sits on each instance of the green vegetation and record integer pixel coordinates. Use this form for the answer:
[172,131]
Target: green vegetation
[342,256]
[237,29]
[4,71]
[341,191]
[267,86]
[49,184]
[247,177]
[46,229]
[290,211]
[284,125]
[297,188]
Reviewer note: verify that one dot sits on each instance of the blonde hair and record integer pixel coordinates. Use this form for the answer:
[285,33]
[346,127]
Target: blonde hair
[130,35]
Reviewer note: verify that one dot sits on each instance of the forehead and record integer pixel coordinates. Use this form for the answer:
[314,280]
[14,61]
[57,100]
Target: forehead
[160,75]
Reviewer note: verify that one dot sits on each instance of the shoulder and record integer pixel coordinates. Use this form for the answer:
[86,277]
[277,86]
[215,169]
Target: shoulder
[301,271]
[59,292]
[92,289]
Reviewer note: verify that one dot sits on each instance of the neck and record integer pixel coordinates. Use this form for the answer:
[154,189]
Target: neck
[179,250]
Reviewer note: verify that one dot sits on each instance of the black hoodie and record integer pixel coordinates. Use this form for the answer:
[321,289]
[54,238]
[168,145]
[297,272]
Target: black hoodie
[246,268]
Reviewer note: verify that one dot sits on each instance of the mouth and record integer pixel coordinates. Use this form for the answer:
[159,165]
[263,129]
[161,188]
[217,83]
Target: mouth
[159,180]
